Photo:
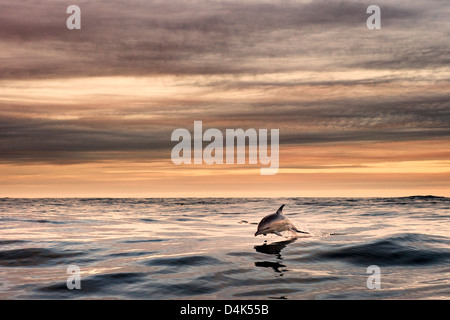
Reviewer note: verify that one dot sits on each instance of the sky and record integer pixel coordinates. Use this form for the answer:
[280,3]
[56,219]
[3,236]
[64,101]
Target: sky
[90,112]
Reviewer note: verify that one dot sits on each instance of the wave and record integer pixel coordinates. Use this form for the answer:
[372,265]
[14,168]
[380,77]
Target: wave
[401,250]
[8,242]
[36,221]
[95,284]
[31,257]
[183,261]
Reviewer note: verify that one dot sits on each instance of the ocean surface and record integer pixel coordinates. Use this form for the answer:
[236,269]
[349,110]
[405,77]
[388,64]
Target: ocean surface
[206,249]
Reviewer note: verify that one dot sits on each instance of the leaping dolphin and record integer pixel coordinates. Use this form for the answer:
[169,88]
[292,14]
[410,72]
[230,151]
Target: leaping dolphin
[275,223]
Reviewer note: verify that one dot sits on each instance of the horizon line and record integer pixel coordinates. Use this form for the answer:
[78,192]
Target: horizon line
[210,197]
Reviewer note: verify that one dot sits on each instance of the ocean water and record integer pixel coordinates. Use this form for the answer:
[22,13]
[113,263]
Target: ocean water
[206,248]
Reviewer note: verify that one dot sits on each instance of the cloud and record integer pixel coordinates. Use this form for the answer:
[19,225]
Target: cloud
[87,137]
[313,70]
[215,37]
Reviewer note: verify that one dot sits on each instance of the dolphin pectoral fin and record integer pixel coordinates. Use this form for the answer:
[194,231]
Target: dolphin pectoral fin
[277,233]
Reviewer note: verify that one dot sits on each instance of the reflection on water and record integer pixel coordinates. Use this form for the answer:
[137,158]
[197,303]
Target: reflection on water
[268,264]
[205,248]
[275,247]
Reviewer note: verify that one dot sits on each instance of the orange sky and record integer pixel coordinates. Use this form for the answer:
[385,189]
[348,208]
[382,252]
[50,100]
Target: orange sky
[359,170]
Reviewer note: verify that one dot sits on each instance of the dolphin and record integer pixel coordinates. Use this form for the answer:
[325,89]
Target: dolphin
[275,223]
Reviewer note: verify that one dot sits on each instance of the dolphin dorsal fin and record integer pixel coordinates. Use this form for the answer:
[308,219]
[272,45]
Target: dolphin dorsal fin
[280,210]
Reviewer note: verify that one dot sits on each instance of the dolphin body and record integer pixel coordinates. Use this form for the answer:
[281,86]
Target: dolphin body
[276,223]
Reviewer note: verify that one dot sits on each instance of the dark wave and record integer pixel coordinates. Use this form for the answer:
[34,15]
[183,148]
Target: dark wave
[8,242]
[31,257]
[403,250]
[183,261]
[34,220]
[143,240]
[47,221]
[427,197]
[191,288]
[101,283]
[131,254]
